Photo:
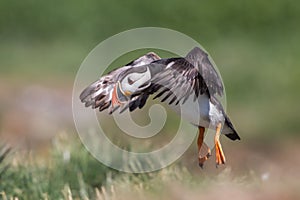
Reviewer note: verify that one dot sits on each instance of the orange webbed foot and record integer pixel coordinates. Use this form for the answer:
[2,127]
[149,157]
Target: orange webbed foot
[220,157]
[204,151]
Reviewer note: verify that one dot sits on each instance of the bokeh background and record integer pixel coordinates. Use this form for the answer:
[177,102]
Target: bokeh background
[255,45]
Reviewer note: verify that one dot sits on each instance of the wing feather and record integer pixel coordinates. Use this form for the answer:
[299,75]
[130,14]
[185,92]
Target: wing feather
[201,61]
[175,82]
[99,94]
[193,75]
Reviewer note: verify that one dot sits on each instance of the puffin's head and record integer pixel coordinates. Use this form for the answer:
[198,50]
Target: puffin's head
[131,80]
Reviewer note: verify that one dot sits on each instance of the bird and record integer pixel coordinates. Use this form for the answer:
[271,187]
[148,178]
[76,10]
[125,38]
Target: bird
[190,80]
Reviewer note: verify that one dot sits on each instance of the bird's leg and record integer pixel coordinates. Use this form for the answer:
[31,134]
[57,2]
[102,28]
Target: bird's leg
[207,153]
[220,157]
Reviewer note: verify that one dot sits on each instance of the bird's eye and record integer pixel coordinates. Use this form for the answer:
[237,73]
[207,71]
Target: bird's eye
[130,81]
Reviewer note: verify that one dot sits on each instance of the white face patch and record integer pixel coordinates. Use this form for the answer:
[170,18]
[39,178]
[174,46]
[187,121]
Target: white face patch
[133,81]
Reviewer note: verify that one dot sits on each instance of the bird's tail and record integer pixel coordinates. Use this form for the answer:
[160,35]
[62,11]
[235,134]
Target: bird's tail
[229,130]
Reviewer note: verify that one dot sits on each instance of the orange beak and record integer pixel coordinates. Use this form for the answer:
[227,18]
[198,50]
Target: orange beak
[114,99]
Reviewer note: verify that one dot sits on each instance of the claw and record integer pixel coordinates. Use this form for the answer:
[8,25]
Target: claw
[201,165]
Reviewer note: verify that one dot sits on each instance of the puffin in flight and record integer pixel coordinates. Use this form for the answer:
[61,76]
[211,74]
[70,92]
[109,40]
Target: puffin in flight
[190,80]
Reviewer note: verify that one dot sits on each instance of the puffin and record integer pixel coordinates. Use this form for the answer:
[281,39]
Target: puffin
[190,85]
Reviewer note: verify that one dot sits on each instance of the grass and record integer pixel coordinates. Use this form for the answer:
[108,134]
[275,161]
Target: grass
[33,174]
[67,171]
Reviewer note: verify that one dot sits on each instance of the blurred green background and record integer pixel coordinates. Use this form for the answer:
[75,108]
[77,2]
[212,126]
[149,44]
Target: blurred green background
[255,45]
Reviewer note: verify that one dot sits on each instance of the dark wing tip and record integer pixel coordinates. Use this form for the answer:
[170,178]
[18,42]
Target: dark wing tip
[196,51]
[201,60]
[85,93]
[89,90]
[91,96]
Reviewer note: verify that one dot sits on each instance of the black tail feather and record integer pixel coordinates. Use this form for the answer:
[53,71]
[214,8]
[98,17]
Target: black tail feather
[231,135]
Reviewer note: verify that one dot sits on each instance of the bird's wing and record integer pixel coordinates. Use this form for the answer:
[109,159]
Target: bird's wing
[200,60]
[176,81]
[179,78]
[99,94]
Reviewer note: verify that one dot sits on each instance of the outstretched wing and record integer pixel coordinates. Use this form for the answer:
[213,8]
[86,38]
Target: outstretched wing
[181,78]
[200,60]
[177,81]
[99,94]
[173,80]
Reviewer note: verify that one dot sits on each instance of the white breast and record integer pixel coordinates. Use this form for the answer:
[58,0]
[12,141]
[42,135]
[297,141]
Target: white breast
[215,115]
[195,112]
